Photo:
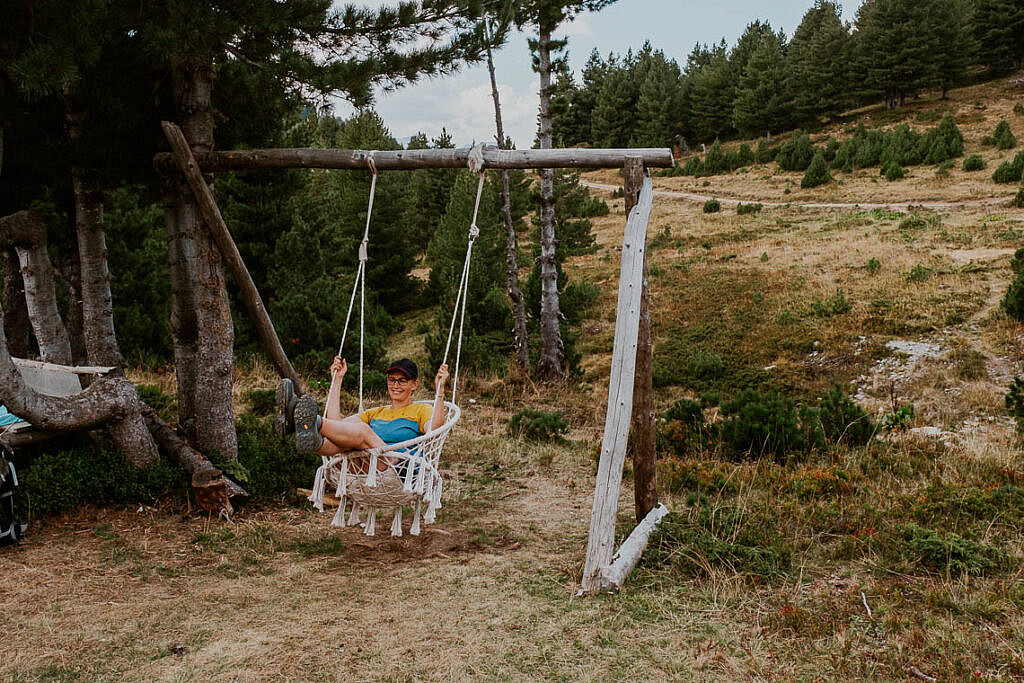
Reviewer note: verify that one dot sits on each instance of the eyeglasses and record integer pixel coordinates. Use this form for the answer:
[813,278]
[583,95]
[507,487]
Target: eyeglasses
[398,381]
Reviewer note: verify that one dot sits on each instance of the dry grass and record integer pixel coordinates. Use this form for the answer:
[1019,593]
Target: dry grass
[109,594]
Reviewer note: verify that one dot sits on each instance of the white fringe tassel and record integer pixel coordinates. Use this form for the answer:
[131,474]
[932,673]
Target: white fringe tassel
[371,522]
[319,485]
[353,518]
[339,516]
[414,530]
[396,523]
[371,477]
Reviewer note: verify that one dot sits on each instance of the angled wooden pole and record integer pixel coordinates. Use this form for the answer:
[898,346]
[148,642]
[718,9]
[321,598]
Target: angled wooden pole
[645,479]
[601,541]
[182,156]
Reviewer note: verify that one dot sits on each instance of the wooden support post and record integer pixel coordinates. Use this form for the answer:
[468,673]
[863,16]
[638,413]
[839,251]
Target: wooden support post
[645,480]
[601,541]
[182,155]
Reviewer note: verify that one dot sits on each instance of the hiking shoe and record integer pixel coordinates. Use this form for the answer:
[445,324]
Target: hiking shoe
[284,422]
[307,425]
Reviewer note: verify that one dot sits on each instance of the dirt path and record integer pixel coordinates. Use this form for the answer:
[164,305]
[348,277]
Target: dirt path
[902,206]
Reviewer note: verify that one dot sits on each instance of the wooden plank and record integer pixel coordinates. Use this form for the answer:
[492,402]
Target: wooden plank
[410,159]
[71,369]
[215,224]
[624,561]
[42,378]
[645,473]
[620,393]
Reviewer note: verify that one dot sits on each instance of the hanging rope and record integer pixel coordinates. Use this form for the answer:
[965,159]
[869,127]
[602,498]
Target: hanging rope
[476,165]
[359,286]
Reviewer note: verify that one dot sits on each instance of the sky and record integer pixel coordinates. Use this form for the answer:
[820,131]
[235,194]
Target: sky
[462,103]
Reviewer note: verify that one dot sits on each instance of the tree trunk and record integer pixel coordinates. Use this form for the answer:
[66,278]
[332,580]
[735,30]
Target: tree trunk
[97,304]
[26,232]
[520,342]
[17,326]
[109,401]
[200,317]
[71,271]
[549,366]
[16,323]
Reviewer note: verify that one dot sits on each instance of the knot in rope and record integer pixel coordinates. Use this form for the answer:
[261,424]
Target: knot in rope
[362,251]
[371,163]
[474,232]
[476,159]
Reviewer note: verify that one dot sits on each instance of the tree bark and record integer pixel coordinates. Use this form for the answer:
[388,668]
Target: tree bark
[26,232]
[645,479]
[550,364]
[109,401]
[16,323]
[229,250]
[71,271]
[520,341]
[200,317]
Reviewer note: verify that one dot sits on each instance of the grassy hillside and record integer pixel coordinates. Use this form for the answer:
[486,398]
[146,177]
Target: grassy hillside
[840,561]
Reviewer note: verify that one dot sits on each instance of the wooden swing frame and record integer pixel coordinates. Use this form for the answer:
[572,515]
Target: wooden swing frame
[630,390]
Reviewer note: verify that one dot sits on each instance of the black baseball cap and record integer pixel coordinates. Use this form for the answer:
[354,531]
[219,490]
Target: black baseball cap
[404,366]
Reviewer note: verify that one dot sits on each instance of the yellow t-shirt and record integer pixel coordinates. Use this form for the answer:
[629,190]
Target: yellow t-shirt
[394,426]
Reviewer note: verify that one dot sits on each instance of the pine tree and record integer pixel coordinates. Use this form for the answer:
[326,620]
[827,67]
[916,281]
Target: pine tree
[429,191]
[614,119]
[953,25]
[817,64]
[659,103]
[711,98]
[762,102]
[897,49]
[817,173]
[999,29]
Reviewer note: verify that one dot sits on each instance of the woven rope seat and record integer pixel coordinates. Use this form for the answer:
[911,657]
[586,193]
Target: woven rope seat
[412,479]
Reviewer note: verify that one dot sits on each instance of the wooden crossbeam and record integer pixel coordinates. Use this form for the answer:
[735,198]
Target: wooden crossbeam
[412,159]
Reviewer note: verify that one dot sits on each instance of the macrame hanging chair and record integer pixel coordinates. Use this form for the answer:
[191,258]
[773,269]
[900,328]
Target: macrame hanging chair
[413,478]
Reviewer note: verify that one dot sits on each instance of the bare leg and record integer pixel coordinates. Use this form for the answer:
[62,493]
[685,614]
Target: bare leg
[350,435]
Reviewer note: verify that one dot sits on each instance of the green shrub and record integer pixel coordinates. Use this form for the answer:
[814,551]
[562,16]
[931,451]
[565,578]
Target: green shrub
[1015,403]
[941,143]
[975,162]
[766,153]
[817,172]
[717,536]
[1010,171]
[273,468]
[745,156]
[893,171]
[943,169]
[951,553]
[843,160]
[758,424]
[743,209]
[165,405]
[1018,109]
[873,266]
[837,304]
[262,402]
[91,473]
[796,153]
[684,428]
[715,161]
[538,425]
[844,420]
[1003,137]
[919,273]
[712,206]
[1018,200]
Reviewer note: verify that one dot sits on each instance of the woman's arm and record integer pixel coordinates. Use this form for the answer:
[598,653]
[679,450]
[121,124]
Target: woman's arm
[338,369]
[440,410]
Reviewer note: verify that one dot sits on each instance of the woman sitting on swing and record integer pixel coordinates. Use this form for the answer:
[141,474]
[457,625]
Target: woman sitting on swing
[373,428]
